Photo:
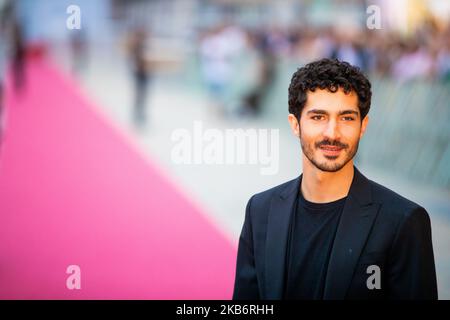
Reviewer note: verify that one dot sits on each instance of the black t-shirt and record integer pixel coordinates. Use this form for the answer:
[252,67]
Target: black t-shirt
[311,238]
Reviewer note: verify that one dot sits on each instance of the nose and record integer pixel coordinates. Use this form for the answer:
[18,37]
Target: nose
[331,130]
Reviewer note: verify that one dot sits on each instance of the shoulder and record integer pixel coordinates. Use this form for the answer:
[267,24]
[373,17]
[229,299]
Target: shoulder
[281,190]
[262,199]
[384,195]
[396,204]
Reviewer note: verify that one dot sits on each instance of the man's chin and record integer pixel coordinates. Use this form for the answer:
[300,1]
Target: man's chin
[329,165]
[329,169]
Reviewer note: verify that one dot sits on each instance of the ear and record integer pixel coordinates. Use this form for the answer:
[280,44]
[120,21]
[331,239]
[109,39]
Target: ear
[295,126]
[364,126]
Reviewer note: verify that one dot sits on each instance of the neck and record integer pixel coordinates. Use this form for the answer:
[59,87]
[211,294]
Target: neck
[321,187]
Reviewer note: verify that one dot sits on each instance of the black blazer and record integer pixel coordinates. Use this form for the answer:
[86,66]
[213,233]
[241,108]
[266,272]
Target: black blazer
[377,227]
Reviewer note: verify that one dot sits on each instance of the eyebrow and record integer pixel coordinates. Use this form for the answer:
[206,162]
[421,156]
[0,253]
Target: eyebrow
[341,112]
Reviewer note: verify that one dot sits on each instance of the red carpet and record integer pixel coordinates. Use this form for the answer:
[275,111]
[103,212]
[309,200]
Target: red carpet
[73,191]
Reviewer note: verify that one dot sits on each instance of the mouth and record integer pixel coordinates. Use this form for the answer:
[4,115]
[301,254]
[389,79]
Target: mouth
[331,151]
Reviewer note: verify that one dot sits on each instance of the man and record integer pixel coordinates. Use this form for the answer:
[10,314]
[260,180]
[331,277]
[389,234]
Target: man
[332,233]
[137,47]
[4,11]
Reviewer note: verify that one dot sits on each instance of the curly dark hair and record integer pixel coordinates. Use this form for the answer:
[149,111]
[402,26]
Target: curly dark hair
[330,74]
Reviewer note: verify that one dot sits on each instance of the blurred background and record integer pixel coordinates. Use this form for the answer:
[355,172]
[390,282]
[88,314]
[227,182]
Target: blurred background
[91,93]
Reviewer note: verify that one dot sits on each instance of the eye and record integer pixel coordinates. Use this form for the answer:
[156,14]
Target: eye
[348,118]
[317,117]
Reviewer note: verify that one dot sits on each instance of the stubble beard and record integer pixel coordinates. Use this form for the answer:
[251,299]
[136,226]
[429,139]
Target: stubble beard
[332,165]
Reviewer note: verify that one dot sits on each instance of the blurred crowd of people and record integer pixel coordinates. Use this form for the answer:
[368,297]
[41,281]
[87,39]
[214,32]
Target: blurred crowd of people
[219,50]
[421,55]
[424,54]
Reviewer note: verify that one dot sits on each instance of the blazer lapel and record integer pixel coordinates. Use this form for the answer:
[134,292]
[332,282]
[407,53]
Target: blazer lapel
[354,227]
[278,223]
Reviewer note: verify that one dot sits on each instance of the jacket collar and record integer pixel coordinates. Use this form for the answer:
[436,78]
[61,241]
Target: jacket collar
[360,188]
[355,224]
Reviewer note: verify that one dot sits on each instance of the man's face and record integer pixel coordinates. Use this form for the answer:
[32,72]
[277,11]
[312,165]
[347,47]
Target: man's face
[330,128]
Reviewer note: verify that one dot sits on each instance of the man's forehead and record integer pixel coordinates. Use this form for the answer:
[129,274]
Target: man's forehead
[332,101]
